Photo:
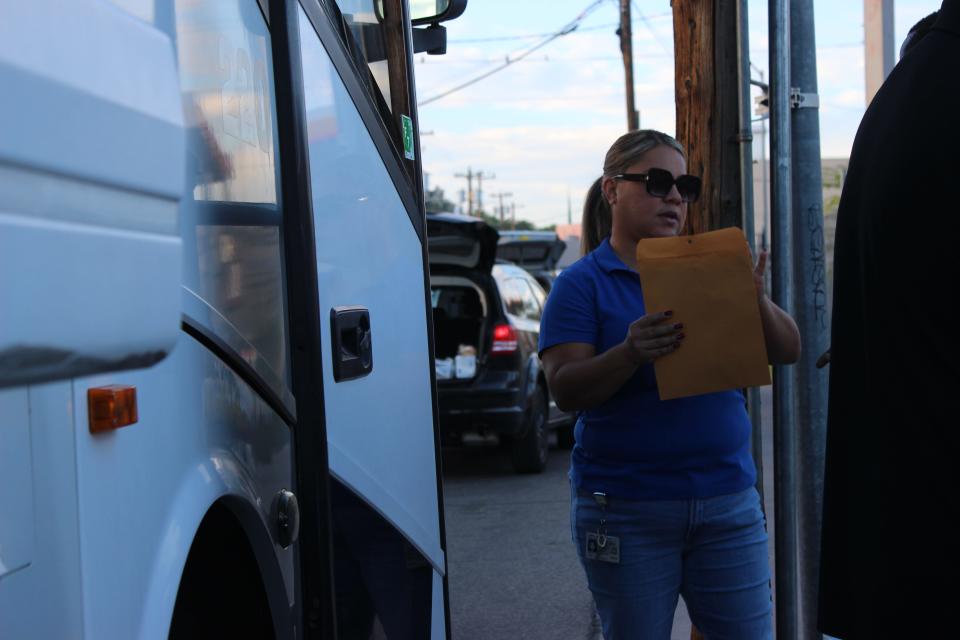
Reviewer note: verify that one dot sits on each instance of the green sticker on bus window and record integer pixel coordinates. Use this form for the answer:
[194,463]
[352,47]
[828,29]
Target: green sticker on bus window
[407,136]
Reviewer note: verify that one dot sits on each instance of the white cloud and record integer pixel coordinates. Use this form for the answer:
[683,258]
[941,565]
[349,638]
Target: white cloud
[852,98]
[536,164]
[543,124]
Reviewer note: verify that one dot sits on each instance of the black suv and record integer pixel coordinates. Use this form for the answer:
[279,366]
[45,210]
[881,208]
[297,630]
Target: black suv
[536,251]
[486,320]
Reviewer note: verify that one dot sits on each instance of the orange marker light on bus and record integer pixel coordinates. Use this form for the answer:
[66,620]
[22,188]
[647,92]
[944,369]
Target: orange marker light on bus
[111,407]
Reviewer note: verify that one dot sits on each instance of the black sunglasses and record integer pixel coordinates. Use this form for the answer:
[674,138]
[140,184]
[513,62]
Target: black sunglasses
[660,181]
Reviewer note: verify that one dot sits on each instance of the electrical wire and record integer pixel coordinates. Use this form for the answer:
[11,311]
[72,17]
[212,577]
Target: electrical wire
[653,32]
[531,36]
[836,45]
[476,61]
[566,29]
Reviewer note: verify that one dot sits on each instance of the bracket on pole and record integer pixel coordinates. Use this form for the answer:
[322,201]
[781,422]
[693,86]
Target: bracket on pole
[800,100]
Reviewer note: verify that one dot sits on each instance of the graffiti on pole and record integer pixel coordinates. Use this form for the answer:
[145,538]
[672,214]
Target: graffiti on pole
[818,280]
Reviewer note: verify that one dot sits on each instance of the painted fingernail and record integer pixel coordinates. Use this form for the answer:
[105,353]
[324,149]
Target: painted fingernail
[681,336]
[668,313]
[679,325]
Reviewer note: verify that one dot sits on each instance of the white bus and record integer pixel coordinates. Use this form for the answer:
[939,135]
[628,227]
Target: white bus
[217,404]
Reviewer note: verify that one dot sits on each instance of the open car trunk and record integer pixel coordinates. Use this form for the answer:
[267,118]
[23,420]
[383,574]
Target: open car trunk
[459,321]
[532,250]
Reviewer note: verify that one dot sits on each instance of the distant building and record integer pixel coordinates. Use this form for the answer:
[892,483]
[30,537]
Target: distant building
[834,172]
[569,233]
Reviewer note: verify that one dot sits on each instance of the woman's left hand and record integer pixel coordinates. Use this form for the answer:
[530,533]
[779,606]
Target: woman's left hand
[779,330]
[758,271]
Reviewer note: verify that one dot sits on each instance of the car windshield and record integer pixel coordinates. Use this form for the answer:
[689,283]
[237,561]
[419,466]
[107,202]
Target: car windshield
[523,253]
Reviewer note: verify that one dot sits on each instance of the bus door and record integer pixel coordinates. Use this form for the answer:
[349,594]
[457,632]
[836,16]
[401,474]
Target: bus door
[388,550]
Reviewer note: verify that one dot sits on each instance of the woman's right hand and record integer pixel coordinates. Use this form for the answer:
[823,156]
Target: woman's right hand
[648,338]
[581,379]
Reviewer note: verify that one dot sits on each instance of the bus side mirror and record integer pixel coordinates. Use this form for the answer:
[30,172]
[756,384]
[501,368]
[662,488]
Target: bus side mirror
[435,11]
[432,40]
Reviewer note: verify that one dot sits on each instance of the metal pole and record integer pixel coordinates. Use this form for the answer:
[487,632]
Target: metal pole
[784,428]
[765,239]
[746,195]
[810,297]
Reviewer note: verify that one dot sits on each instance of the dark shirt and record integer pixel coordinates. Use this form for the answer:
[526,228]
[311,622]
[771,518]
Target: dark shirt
[892,482]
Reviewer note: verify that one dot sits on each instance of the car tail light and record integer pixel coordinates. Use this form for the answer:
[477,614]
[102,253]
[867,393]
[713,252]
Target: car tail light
[504,339]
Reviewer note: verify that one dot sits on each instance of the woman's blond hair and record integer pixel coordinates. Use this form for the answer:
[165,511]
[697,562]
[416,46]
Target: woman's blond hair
[632,146]
[597,222]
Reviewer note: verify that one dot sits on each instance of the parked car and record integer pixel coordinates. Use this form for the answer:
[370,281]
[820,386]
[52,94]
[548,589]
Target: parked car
[486,319]
[536,251]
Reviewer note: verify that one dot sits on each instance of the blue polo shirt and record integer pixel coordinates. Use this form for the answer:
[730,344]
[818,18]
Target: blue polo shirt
[635,445]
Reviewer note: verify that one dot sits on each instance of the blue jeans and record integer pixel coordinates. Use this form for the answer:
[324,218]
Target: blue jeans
[712,551]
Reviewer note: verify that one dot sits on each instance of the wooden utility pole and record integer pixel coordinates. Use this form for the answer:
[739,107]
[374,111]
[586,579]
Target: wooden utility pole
[626,48]
[500,196]
[708,105]
[513,215]
[469,175]
[713,124]
[480,175]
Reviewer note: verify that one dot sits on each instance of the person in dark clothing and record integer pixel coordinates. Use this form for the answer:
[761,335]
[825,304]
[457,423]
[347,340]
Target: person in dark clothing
[892,482]
[917,32]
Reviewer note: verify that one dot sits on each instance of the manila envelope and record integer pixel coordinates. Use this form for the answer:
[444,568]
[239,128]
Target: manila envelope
[707,280]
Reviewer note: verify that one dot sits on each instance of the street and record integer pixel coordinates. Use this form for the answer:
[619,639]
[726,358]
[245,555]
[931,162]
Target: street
[513,571]
[325,238]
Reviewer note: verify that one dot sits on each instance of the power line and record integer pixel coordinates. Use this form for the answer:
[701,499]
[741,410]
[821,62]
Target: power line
[540,99]
[836,45]
[531,36]
[568,28]
[653,32]
[545,58]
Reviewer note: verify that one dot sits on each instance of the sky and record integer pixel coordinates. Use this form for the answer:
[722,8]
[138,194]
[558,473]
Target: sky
[540,127]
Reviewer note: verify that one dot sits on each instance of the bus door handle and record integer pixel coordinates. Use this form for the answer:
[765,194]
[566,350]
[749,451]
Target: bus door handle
[351,342]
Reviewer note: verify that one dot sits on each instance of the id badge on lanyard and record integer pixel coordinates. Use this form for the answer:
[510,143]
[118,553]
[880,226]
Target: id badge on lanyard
[600,546]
